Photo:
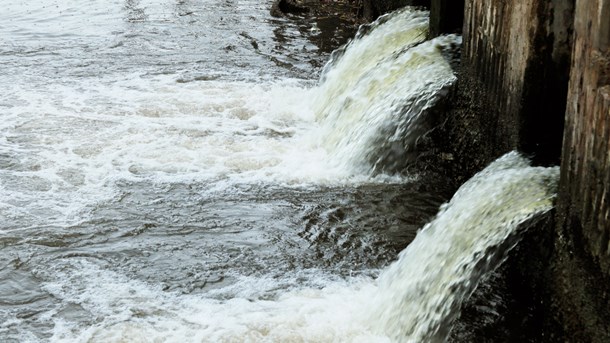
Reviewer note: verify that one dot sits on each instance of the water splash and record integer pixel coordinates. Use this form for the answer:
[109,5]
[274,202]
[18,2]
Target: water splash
[413,300]
[73,145]
[421,293]
[376,91]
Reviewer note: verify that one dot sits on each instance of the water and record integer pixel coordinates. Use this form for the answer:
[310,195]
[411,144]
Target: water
[469,237]
[373,100]
[173,171]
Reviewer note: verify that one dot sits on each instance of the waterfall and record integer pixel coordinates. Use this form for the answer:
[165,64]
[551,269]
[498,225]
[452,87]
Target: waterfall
[421,293]
[413,300]
[142,209]
[375,92]
[372,102]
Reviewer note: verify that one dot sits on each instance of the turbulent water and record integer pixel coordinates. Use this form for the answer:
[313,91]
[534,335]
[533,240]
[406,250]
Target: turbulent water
[174,171]
[373,98]
[469,237]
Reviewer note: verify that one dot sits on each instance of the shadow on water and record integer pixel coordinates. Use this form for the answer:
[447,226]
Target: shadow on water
[326,26]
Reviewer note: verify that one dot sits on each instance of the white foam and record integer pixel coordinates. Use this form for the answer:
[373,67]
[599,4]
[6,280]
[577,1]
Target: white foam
[75,142]
[69,143]
[130,311]
[414,300]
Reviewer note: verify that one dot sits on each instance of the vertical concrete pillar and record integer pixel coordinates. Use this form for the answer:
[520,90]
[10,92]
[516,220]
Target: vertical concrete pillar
[513,80]
[583,256]
[585,177]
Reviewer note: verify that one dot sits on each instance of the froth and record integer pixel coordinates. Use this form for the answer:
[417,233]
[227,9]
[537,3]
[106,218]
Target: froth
[414,300]
[77,141]
[127,310]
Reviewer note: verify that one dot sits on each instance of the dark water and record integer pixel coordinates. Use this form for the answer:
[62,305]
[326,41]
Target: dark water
[173,238]
[195,38]
[156,162]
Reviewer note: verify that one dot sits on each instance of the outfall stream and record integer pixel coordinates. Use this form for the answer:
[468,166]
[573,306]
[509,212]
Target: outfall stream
[164,179]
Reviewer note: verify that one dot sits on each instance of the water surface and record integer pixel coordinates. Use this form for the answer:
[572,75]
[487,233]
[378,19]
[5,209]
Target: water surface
[160,172]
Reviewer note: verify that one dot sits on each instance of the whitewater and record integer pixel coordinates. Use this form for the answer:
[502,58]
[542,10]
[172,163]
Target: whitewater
[163,181]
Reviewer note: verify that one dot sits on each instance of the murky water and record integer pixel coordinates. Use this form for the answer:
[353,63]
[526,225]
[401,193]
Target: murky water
[157,168]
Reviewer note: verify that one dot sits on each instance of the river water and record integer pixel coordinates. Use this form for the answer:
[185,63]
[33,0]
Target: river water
[175,171]
[158,157]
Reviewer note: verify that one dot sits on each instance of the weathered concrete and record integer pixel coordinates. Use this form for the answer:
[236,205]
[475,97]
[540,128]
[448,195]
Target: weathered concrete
[513,82]
[517,61]
[582,262]
[585,177]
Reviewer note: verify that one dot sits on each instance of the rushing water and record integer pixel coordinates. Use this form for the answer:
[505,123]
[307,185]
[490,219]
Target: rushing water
[173,171]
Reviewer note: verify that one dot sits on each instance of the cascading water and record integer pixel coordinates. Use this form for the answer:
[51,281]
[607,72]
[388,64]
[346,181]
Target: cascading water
[147,202]
[421,293]
[413,300]
[374,95]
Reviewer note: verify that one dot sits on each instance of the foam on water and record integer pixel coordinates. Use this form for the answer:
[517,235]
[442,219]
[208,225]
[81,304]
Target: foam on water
[414,300]
[66,145]
[132,311]
[65,142]
[70,144]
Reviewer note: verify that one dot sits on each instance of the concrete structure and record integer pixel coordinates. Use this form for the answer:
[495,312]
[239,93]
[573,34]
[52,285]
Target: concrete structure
[582,260]
[513,82]
[526,66]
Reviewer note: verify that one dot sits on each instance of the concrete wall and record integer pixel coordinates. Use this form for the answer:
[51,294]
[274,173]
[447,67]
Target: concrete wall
[582,261]
[527,68]
[585,177]
[513,82]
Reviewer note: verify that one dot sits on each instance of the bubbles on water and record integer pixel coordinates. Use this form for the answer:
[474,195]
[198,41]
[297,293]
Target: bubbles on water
[93,170]
[413,300]
[159,130]
[78,140]
[118,309]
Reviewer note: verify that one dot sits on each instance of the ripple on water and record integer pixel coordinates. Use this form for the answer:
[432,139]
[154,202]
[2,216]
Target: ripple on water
[157,179]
